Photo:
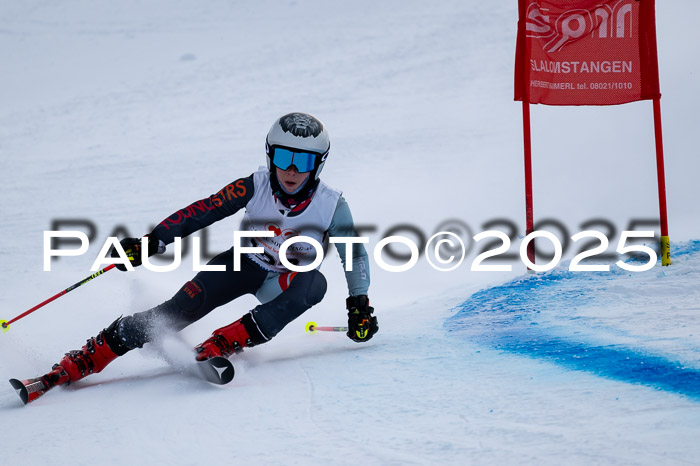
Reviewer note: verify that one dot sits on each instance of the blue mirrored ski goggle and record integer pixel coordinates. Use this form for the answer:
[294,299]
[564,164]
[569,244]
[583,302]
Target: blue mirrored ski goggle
[284,158]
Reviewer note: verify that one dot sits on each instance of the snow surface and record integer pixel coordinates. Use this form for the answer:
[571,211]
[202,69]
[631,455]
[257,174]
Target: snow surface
[122,112]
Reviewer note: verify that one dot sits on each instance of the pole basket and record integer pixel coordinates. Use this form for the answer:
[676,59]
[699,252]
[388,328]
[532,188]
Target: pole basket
[665,251]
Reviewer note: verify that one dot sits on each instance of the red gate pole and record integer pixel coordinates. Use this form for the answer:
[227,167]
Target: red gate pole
[529,222]
[661,178]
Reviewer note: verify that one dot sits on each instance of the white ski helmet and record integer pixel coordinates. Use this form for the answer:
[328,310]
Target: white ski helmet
[298,139]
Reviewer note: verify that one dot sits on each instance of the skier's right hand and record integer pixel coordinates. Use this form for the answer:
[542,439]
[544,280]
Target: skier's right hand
[132,248]
[362,325]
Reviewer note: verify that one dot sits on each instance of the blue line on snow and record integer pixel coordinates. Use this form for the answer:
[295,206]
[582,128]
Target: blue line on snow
[508,317]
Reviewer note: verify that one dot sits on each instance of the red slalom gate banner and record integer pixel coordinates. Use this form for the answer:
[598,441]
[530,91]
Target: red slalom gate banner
[586,52]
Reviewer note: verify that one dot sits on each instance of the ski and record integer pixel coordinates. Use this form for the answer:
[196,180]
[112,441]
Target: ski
[30,389]
[217,370]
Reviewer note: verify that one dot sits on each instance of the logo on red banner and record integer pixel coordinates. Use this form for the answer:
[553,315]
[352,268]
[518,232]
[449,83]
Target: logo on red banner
[605,22]
[598,52]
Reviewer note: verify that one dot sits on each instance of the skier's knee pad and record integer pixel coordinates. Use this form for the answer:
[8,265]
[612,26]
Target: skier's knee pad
[306,291]
[316,289]
[190,301]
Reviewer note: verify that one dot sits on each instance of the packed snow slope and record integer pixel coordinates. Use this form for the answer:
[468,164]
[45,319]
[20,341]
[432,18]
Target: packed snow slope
[634,327]
[115,114]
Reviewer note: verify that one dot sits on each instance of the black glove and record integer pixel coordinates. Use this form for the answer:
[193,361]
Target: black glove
[132,248]
[362,325]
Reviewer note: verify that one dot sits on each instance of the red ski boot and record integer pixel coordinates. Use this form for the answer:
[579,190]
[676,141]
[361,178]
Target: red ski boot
[243,333]
[91,358]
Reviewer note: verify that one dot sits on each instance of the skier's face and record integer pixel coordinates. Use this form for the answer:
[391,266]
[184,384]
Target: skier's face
[291,179]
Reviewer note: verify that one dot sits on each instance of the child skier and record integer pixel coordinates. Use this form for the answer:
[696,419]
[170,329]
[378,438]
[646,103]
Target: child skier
[287,198]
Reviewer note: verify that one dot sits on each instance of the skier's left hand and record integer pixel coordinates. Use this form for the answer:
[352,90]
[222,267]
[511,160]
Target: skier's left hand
[362,325]
[132,248]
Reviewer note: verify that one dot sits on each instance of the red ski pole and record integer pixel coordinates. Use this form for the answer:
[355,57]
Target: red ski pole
[5,325]
[313,328]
